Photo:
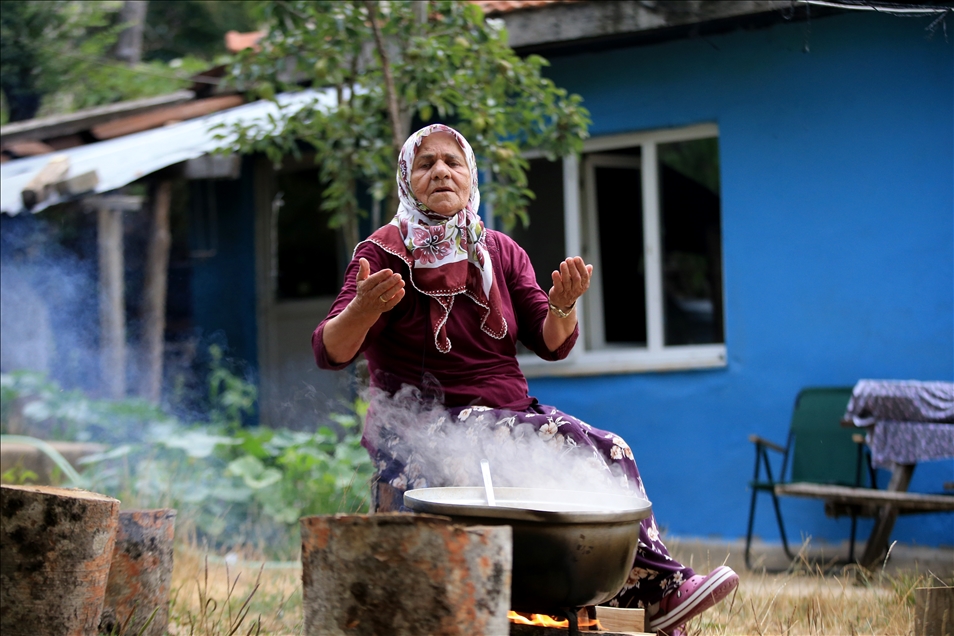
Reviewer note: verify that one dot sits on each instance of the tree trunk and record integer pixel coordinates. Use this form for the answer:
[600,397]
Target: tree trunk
[154,295]
[129,45]
[112,304]
[55,549]
[140,575]
[402,574]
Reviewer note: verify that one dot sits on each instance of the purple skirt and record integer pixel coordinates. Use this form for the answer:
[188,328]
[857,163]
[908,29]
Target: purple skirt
[540,447]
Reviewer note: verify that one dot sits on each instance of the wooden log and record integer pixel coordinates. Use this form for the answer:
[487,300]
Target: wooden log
[140,574]
[41,185]
[112,304]
[934,611]
[621,619]
[154,294]
[55,549]
[900,501]
[517,629]
[401,575]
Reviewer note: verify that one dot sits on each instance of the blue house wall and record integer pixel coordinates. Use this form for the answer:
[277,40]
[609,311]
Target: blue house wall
[837,169]
[223,284]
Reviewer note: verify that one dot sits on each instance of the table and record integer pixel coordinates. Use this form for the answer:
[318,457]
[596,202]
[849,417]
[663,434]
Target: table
[906,422]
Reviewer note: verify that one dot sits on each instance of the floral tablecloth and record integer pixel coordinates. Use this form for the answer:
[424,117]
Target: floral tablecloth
[908,421]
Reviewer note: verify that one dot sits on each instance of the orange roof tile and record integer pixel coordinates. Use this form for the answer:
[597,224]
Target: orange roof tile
[491,7]
[235,41]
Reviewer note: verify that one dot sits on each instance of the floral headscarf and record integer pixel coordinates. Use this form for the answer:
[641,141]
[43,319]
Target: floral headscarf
[447,256]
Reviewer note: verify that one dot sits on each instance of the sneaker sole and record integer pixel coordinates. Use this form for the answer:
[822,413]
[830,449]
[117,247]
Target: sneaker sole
[708,594]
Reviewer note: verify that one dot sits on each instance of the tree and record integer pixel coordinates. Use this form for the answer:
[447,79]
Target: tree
[177,29]
[394,63]
[39,45]
[57,56]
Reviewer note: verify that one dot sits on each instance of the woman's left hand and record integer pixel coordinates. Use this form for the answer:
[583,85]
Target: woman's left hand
[569,282]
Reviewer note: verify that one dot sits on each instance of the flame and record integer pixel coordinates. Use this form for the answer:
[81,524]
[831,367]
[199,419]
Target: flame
[545,620]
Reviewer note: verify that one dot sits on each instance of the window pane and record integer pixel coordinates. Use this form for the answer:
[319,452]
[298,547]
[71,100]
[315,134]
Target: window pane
[619,202]
[691,241]
[543,239]
[307,248]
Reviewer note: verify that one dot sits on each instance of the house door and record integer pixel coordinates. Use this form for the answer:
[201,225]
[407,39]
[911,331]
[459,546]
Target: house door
[298,276]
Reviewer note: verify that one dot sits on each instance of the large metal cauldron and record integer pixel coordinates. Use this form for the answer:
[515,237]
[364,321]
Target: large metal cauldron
[570,549]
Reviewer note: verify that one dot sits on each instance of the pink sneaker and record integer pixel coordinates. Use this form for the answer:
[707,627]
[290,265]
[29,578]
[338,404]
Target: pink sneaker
[693,597]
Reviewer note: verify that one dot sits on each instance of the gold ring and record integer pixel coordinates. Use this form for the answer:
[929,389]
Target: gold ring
[382,299]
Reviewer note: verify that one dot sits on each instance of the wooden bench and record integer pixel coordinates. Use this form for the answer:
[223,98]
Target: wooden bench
[867,502]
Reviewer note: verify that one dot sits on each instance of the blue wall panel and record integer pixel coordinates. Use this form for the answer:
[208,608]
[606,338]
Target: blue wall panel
[838,243]
[224,284]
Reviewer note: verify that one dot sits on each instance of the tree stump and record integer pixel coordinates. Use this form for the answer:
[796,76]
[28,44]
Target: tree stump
[934,611]
[55,549]
[402,574]
[140,574]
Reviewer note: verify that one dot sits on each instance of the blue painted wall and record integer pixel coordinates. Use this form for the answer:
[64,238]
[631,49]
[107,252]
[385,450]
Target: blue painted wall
[838,243]
[223,285]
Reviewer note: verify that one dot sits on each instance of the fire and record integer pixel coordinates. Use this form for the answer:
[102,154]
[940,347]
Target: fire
[545,620]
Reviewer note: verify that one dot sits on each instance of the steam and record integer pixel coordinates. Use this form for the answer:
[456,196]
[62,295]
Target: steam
[442,449]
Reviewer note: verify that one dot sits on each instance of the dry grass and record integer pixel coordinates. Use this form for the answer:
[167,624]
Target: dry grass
[212,598]
[217,596]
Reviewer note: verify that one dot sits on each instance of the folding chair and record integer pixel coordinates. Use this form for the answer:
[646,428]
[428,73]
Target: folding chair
[819,450]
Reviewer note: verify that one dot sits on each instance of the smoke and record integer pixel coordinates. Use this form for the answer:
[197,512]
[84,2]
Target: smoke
[441,448]
[48,306]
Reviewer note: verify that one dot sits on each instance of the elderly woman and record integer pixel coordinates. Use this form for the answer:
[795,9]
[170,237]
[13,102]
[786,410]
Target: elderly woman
[437,302]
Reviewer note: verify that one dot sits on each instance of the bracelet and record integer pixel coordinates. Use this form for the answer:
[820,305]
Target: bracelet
[562,313]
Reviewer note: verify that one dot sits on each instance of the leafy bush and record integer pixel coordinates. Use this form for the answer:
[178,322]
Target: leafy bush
[233,486]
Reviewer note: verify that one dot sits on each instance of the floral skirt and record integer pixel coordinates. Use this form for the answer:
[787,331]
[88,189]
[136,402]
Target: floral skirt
[541,447]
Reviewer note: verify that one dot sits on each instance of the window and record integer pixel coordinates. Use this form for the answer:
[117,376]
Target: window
[307,249]
[644,209]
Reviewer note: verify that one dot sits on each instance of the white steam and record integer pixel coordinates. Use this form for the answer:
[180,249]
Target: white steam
[439,449]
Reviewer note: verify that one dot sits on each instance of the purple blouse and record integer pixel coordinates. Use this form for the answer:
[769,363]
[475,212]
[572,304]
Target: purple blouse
[479,369]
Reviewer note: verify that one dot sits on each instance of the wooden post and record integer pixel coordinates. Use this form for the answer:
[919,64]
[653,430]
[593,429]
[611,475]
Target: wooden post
[402,575]
[877,545]
[154,294]
[140,574]
[934,611]
[112,304]
[55,550]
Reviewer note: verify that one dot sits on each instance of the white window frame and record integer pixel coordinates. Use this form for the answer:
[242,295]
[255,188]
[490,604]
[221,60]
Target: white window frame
[590,356]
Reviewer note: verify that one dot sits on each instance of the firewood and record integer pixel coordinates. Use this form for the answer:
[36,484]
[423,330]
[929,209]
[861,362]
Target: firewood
[934,611]
[540,630]
[55,549]
[400,574]
[42,183]
[85,182]
[140,574]
[621,619]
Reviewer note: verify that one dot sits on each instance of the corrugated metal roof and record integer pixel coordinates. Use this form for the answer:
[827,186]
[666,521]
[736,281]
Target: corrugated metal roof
[121,161]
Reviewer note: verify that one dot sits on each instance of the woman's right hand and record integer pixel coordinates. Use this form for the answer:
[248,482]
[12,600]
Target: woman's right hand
[377,292]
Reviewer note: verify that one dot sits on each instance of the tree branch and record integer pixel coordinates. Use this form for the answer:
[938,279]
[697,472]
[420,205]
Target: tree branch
[394,112]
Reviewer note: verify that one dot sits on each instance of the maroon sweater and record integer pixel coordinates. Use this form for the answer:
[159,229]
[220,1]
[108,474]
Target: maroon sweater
[478,369]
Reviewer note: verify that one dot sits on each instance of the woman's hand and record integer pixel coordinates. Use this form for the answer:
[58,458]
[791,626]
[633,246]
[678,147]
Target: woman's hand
[376,293]
[569,283]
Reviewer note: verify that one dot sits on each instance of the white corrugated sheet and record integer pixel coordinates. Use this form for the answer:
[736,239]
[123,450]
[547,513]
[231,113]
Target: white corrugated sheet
[121,161]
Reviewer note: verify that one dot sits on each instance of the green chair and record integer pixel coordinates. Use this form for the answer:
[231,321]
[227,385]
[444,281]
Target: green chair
[819,450]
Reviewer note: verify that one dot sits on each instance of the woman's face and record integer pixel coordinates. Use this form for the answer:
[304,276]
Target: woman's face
[440,178]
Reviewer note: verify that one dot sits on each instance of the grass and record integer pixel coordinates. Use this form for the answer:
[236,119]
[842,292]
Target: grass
[212,597]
